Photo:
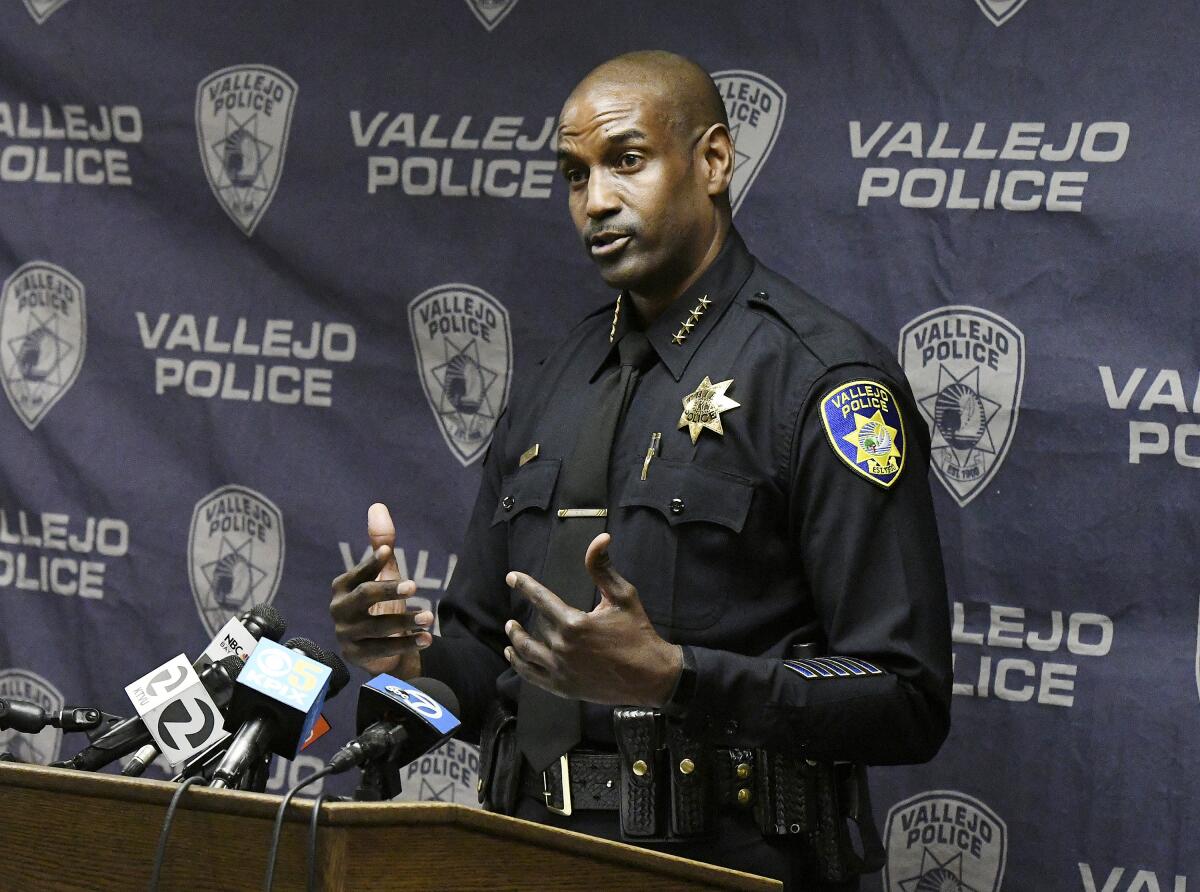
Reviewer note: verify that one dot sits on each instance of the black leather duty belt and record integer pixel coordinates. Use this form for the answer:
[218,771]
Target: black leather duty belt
[580,780]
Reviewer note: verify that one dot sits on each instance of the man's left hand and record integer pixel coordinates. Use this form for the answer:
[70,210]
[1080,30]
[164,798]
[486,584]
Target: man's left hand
[609,655]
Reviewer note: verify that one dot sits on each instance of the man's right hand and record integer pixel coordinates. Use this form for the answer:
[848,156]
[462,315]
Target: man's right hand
[372,621]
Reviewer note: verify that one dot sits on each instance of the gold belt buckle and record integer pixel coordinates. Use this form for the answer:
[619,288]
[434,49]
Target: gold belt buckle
[565,771]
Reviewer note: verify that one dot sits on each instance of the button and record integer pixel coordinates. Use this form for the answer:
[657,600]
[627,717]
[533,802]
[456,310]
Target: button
[479,786]
[676,506]
[743,771]
[507,502]
[810,763]
[762,295]
[743,796]
[640,768]
[687,766]
[793,828]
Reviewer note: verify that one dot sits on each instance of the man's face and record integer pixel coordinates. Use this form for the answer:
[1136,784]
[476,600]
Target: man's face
[642,210]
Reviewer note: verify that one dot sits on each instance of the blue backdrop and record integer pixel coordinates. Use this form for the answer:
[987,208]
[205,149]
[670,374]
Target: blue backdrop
[265,264]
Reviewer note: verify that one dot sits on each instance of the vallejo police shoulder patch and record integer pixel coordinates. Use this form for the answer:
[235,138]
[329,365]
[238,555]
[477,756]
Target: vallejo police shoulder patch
[863,423]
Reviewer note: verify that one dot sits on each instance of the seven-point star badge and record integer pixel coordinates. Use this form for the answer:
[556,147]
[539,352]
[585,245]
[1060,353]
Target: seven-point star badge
[702,408]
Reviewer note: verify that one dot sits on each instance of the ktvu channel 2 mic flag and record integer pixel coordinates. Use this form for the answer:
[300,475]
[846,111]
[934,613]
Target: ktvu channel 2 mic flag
[245,295]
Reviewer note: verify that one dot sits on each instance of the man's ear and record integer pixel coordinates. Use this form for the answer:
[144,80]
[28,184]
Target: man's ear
[714,154]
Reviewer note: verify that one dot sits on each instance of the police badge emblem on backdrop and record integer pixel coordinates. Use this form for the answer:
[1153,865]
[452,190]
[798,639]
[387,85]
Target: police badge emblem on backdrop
[943,839]
[755,105]
[43,9]
[462,339]
[43,336]
[1000,11]
[966,366]
[243,116]
[40,748]
[491,12]
[235,553]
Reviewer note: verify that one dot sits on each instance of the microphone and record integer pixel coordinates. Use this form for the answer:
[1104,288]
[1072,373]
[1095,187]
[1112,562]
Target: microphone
[131,734]
[276,702]
[240,635]
[398,721]
[29,718]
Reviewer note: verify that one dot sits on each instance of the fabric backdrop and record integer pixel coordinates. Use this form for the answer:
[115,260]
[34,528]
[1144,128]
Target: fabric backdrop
[264,264]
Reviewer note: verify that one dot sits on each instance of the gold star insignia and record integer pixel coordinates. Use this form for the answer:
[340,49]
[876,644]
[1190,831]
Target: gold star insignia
[702,408]
[875,441]
[687,326]
[678,337]
[704,302]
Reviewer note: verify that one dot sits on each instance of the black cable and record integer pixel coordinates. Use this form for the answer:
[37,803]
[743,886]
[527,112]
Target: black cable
[277,832]
[161,854]
[312,842]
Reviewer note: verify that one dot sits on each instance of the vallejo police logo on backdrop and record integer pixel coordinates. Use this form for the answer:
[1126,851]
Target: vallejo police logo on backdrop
[43,9]
[243,116]
[966,366]
[491,12]
[235,553]
[40,748]
[43,336]
[944,840]
[464,353]
[1000,11]
[755,105]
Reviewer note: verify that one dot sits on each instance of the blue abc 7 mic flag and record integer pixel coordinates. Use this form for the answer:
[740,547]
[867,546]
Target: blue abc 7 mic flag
[382,695]
[293,688]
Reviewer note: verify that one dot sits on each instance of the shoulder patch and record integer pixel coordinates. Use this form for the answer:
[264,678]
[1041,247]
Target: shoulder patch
[862,421]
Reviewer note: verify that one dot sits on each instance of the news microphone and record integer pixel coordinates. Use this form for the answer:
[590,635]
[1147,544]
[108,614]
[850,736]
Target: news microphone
[276,702]
[398,721]
[131,734]
[240,635]
[29,718]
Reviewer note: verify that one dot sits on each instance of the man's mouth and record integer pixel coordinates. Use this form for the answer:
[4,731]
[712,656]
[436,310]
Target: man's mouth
[605,244]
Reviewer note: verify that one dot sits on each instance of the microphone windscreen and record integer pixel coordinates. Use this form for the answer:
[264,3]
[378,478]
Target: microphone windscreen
[232,665]
[269,620]
[341,675]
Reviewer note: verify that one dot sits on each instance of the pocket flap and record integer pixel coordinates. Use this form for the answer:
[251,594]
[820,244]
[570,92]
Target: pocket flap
[685,492]
[532,486]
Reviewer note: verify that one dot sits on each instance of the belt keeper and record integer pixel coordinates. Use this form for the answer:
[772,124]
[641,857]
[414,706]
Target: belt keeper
[638,733]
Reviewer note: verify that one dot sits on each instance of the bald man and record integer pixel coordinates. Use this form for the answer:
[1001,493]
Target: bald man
[702,579]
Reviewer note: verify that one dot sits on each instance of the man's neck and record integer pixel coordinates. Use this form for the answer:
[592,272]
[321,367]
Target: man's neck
[652,303]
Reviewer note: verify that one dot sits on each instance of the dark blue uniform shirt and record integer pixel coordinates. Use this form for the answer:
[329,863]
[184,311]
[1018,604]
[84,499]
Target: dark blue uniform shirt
[743,543]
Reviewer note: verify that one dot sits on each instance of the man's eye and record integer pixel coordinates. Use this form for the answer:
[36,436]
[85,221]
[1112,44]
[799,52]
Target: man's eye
[575,175]
[629,160]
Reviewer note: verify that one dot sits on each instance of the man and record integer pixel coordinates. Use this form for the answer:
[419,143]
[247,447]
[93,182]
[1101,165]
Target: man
[741,475]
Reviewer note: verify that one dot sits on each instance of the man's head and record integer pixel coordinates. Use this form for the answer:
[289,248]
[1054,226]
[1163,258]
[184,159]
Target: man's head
[644,145]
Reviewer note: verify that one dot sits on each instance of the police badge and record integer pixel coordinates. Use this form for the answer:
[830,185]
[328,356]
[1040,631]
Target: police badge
[491,12]
[43,9]
[966,366]
[43,337]
[926,836]
[463,344]
[40,748]
[862,421]
[235,553]
[243,117]
[1000,11]
[755,105]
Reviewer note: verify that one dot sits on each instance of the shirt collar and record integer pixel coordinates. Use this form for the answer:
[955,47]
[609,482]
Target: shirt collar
[683,326]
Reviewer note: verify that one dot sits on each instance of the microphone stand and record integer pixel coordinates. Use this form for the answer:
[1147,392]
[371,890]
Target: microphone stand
[380,781]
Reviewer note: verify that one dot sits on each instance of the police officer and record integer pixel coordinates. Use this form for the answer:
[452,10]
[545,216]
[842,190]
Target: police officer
[703,566]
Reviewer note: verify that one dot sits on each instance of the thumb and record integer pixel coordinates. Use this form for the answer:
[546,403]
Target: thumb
[381,531]
[614,587]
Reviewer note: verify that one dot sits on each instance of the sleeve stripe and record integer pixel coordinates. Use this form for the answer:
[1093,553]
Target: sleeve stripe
[833,667]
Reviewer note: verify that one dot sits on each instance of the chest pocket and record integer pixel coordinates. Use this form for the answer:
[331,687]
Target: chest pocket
[679,540]
[523,506]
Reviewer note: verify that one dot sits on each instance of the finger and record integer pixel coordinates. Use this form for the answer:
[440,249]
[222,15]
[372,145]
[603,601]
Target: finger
[530,672]
[613,586]
[546,603]
[527,647]
[352,605]
[369,649]
[366,569]
[388,625]
[397,602]
[381,531]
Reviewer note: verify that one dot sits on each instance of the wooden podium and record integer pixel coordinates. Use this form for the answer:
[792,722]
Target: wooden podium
[71,831]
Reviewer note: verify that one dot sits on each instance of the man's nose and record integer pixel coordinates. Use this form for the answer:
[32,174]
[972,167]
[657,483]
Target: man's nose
[602,198]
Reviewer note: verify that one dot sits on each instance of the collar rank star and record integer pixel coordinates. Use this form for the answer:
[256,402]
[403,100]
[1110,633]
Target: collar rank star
[702,408]
[862,421]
